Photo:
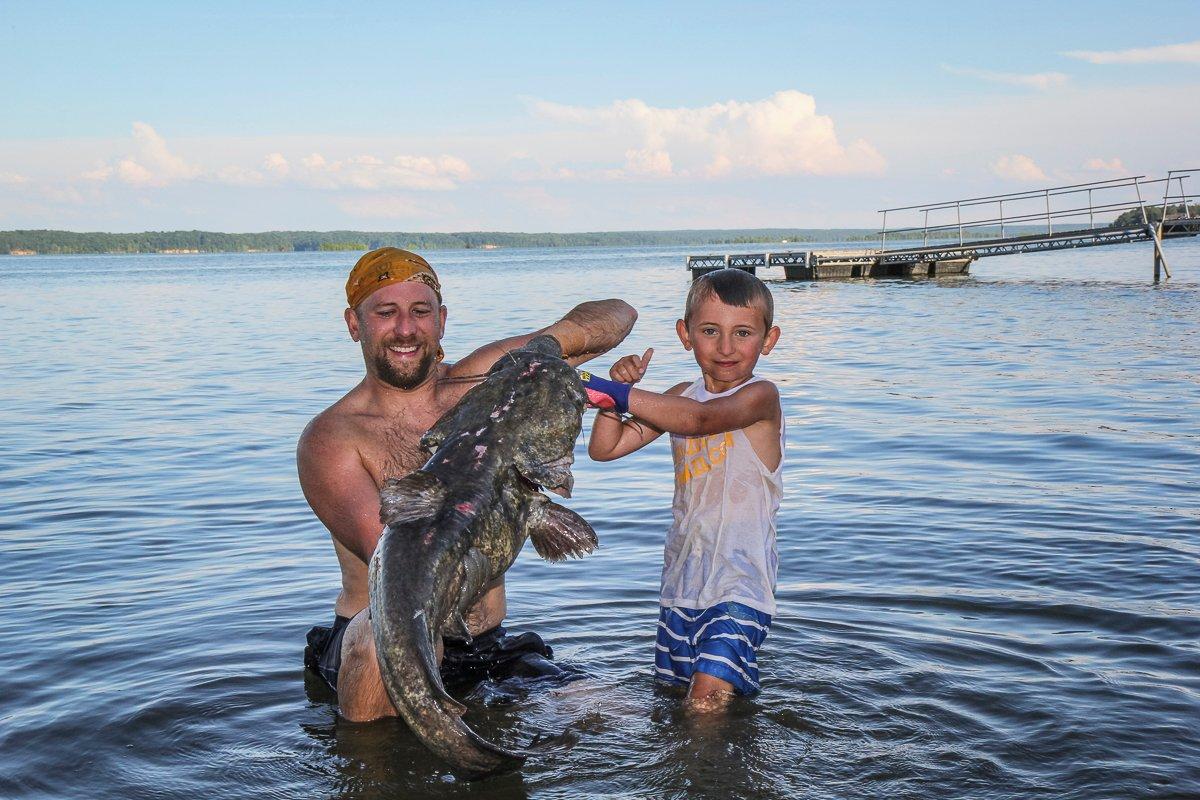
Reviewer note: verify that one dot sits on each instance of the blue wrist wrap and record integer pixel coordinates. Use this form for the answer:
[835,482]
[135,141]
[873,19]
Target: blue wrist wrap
[619,392]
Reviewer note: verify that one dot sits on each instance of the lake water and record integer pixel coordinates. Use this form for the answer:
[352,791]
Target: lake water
[990,542]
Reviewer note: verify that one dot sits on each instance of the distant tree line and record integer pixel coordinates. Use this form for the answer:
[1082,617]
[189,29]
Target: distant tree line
[1153,214]
[65,242]
[49,241]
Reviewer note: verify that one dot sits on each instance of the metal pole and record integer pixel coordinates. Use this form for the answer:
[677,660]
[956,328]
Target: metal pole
[958,210]
[1049,227]
[1187,212]
[1166,193]
[1159,258]
[1001,219]
[883,238]
[1137,187]
[1091,218]
[925,234]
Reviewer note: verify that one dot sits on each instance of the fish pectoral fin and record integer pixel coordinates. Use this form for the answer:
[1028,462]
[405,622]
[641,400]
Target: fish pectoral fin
[415,497]
[558,532]
[475,575]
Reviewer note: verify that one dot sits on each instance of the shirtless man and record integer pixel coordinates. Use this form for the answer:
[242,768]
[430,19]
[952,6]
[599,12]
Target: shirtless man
[348,450]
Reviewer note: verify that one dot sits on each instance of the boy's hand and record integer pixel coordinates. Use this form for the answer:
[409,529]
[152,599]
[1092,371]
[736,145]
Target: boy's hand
[631,369]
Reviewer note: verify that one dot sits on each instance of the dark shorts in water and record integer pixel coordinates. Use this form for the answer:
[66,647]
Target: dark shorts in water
[323,652]
[493,654]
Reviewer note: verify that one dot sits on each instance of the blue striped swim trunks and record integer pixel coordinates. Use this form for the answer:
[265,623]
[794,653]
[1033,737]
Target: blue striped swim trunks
[720,641]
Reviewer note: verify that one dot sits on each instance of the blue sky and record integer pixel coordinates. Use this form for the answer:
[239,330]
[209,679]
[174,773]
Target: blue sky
[253,116]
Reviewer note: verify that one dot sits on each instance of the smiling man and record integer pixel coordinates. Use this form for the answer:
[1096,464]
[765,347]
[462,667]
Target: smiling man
[372,434]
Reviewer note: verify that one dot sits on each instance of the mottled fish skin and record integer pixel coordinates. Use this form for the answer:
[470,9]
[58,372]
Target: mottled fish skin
[459,522]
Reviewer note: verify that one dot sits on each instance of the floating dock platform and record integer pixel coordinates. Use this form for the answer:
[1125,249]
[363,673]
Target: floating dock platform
[964,241]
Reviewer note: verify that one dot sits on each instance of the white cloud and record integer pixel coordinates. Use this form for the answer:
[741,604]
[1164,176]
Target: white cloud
[1017,167]
[1037,80]
[153,164]
[276,164]
[781,135]
[239,176]
[100,173]
[12,179]
[1186,53]
[648,162]
[370,172]
[1100,165]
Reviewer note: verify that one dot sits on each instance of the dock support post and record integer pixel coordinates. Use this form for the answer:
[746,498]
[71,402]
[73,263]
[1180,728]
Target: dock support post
[1160,259]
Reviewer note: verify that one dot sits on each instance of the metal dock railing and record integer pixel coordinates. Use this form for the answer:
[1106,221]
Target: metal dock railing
[995,225]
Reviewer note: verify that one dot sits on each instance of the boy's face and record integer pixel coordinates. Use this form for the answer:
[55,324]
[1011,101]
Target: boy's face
[727,340]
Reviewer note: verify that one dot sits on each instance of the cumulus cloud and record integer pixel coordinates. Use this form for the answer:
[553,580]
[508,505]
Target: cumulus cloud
[12,179]
[1037,80]
[370,172]
[1017,167]
[1186,53]
[1100,165]
[276,165]
[781,135]
[152,163]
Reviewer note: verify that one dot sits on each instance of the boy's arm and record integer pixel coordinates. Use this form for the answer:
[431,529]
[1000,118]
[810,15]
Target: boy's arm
[686,417]
[612,438]
[586,331]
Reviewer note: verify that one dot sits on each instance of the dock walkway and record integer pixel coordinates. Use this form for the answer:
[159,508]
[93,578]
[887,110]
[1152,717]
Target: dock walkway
[967,240]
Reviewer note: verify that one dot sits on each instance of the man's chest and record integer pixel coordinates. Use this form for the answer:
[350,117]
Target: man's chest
[392,449]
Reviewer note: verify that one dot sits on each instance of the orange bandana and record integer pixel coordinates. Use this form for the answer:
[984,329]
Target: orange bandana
[386,266]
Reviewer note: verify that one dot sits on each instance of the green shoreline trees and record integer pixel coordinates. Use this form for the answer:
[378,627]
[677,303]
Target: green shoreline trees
[21,242]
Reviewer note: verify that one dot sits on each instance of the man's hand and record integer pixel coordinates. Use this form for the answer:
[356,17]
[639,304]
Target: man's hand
[631,368]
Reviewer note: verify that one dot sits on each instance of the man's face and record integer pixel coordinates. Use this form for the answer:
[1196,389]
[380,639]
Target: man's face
[400,329]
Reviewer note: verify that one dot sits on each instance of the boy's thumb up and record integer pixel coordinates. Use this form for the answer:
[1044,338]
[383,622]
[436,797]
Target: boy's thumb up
[644,362]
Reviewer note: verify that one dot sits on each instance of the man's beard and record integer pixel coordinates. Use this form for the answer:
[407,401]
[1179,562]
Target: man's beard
[387,372]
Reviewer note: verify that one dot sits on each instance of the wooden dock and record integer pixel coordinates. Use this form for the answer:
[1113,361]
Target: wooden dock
[966,242]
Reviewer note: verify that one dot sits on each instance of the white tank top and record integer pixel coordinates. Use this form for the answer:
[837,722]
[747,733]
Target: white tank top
[721,546]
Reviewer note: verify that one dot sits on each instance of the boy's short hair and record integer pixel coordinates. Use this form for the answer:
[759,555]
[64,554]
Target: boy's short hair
[733,287]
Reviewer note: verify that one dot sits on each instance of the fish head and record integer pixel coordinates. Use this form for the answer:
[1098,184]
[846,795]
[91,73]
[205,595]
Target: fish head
[542,414]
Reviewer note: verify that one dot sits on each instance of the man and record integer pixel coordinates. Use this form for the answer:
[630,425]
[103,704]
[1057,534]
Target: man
[348,450]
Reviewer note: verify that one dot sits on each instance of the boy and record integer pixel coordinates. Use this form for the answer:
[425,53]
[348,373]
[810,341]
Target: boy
[727,434]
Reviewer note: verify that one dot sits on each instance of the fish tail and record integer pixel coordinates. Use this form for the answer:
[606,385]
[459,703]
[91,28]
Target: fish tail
[416,689]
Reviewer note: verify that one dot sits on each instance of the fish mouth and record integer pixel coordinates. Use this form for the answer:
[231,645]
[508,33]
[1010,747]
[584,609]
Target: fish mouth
[553,476]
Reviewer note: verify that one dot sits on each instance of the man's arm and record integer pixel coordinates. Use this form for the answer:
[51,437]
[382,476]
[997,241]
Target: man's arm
[588,330]
[338,487]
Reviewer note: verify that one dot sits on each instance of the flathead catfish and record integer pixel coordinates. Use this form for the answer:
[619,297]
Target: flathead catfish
[458,522]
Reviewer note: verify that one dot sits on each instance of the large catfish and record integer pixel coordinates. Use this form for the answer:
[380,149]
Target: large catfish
[458,522]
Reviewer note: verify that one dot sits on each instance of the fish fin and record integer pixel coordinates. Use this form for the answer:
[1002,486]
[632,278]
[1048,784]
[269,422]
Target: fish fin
[475,575]
[432,440]
[456,626]
[558,532]
[415,497]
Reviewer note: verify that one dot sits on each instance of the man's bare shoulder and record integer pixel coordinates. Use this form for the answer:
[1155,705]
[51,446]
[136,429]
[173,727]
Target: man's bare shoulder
[336,428]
